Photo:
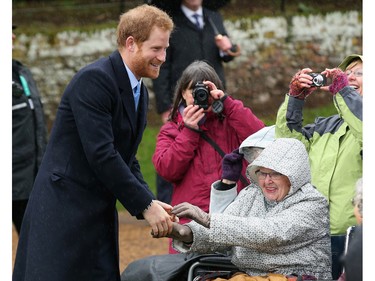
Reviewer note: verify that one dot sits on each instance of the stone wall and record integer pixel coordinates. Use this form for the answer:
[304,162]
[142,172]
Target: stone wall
[273,49]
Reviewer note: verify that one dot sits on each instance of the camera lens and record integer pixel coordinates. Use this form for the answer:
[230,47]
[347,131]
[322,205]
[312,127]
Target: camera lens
[318,80]
[201,95]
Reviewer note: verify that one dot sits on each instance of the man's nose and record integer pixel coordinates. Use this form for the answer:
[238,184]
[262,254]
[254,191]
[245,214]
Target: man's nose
[162,56]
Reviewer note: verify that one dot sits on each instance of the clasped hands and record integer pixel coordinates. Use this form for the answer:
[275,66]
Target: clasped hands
[231,170]
[301,84]
[183,232]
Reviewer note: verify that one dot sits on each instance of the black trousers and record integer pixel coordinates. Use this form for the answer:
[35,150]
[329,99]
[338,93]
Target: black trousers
[18,211]
[337,247]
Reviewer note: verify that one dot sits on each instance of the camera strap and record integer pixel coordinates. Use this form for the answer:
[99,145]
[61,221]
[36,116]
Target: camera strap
[221,152]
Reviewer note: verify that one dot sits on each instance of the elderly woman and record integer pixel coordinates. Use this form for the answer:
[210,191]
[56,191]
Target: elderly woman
[223,193]
[281,225]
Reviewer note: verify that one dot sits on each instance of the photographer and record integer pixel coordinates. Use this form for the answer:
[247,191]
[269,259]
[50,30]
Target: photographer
[182,156]
[206,40]
[334,143]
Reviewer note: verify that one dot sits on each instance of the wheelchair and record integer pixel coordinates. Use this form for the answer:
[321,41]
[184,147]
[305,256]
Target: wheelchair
[192,266]
[211,267]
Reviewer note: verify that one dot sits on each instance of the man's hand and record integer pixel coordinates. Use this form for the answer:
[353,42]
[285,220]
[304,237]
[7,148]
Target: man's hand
[187,210]
[158,218]
[168,208]
[223,42]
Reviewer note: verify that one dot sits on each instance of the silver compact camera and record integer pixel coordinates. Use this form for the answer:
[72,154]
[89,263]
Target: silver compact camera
[319,80]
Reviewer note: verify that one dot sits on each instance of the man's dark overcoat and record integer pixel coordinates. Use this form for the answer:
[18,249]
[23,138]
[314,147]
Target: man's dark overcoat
[70,229]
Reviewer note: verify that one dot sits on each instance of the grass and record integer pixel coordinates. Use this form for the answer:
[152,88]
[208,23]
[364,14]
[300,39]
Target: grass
[147,146]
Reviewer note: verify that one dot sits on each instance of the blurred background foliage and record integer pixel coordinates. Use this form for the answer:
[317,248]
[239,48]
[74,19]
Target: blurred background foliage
[52,16]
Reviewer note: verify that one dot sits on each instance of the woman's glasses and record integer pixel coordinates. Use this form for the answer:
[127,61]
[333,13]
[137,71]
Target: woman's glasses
[357,73]
[273,175]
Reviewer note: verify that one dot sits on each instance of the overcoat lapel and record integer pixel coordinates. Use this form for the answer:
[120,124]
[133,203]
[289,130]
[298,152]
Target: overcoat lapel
[125,88]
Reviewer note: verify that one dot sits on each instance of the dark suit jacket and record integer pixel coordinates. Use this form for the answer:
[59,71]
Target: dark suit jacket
[187,44]
[70,229]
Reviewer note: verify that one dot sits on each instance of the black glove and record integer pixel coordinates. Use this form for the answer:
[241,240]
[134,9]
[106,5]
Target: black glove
[232,165]
[187,210]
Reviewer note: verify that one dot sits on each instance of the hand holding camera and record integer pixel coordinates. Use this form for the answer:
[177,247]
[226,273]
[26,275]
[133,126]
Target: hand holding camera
[191,115]
[206,94]
[304,82]
[339,79]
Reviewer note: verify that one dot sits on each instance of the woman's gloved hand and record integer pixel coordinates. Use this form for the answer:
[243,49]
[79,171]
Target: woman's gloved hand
[339,79]
[179,232]
[187,210]
[300,85]
[232,165]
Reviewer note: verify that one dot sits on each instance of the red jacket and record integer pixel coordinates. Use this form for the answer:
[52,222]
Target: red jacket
[184,158]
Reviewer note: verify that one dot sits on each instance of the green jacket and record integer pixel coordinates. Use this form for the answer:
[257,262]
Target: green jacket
[335,150]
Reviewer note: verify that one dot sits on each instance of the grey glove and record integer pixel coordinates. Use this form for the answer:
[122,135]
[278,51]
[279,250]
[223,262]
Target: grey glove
[187,210]
[182,233]
[179,232]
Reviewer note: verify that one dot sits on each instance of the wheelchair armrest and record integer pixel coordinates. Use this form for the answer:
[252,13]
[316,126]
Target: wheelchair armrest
[222,260]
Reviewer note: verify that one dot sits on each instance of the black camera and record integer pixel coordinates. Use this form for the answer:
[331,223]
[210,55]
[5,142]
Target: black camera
[201,95]
[319,80]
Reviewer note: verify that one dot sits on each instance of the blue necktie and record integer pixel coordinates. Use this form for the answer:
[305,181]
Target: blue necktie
[196,17]
[137,93]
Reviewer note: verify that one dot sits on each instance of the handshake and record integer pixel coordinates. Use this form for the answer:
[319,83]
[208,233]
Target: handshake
[231,170]
[183,232]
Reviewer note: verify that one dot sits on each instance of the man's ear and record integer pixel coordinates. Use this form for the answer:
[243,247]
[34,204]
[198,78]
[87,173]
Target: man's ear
[130,44]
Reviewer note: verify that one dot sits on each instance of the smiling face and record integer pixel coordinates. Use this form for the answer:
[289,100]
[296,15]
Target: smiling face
[148,56]
[354,73]
[274,186]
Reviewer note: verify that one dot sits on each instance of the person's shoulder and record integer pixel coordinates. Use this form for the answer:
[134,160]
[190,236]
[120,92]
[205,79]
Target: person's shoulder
[172,126]
[95,66]
[312,193]
[211,13]
[249,191]
[19,66]
[16,62]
